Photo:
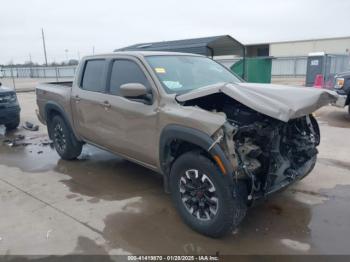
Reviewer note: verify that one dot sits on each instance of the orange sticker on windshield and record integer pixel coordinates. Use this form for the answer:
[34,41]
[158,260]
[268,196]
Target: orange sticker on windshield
[160,70]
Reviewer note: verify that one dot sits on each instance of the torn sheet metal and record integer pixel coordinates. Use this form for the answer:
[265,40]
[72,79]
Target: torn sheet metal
[277,101]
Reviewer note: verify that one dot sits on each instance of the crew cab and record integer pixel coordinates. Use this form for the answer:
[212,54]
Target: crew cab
[219,143]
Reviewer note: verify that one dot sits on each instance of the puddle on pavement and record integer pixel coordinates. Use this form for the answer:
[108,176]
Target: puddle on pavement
[32,154]
[107,177]
[281,225]
[86,245]
[158,228]
[89,246]
[96,173]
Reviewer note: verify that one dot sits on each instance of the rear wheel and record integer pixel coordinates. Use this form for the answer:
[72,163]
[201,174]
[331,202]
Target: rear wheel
[66,145]
[203,198]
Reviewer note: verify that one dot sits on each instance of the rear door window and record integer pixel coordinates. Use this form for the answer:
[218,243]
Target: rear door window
[124,72]
[93,77]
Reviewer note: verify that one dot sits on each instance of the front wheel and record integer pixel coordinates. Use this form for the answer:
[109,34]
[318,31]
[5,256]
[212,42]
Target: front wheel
[64,140]
[203,198]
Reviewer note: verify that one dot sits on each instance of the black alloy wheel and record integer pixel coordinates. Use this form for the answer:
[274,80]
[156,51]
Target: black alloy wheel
[198,194]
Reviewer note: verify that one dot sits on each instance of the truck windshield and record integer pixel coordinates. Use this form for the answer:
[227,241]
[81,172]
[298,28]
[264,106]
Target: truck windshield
[180,74]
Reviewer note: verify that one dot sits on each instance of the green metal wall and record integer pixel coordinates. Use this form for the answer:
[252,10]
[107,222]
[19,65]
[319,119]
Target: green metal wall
[257,70]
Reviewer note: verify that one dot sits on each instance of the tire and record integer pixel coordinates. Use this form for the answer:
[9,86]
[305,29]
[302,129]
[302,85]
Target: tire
[65,143]
[316,128]
[318,137]
[223,214]
[13,125]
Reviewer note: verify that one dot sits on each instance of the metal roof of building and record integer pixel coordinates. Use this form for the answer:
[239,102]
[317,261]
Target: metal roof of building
[209,46]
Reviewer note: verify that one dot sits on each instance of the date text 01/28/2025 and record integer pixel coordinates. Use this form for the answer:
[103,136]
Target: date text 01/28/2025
[174,258]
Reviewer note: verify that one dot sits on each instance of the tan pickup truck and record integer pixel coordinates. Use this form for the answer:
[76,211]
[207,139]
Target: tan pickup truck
[220,143]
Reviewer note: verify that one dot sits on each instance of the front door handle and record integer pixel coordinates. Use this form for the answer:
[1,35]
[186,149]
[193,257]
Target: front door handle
[77,98]
[106,104]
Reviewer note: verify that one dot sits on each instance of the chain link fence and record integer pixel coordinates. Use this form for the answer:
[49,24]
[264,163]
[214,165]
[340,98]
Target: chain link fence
[38,72]
[281,66]
[293,67]
[289,66]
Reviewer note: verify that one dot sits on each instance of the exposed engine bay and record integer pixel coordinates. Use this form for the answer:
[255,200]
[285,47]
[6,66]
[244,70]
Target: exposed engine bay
[270,154]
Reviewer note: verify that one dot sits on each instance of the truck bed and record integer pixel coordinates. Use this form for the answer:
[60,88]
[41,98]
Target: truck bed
[56,92]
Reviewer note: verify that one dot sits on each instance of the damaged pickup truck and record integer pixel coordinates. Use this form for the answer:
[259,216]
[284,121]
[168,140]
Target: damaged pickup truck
[219,143]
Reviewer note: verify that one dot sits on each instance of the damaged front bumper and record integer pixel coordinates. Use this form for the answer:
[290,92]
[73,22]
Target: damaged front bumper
[288,180]
[269,156]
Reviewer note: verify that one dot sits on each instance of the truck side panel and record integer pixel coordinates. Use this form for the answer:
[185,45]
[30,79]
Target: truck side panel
[58,97]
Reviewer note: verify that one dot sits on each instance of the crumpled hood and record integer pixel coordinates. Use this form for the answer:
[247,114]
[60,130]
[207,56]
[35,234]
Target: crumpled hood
[277,101]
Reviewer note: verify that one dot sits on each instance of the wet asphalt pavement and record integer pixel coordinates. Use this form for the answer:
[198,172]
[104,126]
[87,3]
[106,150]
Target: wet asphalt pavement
[102,204]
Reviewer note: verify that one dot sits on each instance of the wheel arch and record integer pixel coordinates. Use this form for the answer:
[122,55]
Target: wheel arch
[52,109]
[189,139]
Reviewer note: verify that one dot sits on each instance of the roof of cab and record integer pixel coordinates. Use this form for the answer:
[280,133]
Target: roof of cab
[138,54]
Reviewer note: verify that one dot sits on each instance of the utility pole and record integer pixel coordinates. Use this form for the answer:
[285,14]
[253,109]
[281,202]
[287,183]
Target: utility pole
[66,52]
[93,49]
[12,76]
[30,66]
[44,46]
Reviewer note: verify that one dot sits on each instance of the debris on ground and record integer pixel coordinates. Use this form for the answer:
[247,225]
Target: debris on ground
[300,246]
[40,152]
[16,141]
[19,140]
[30,126]
[46,142]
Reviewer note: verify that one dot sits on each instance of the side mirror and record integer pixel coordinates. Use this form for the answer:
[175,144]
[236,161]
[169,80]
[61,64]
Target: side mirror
[133,90]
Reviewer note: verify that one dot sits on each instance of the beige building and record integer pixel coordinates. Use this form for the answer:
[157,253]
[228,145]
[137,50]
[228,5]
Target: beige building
[339,45]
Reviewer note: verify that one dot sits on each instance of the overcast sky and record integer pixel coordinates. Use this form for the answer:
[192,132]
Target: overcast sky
[78,25]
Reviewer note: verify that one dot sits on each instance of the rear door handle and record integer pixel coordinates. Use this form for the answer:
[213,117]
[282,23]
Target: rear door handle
[77,98]
[106,104]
